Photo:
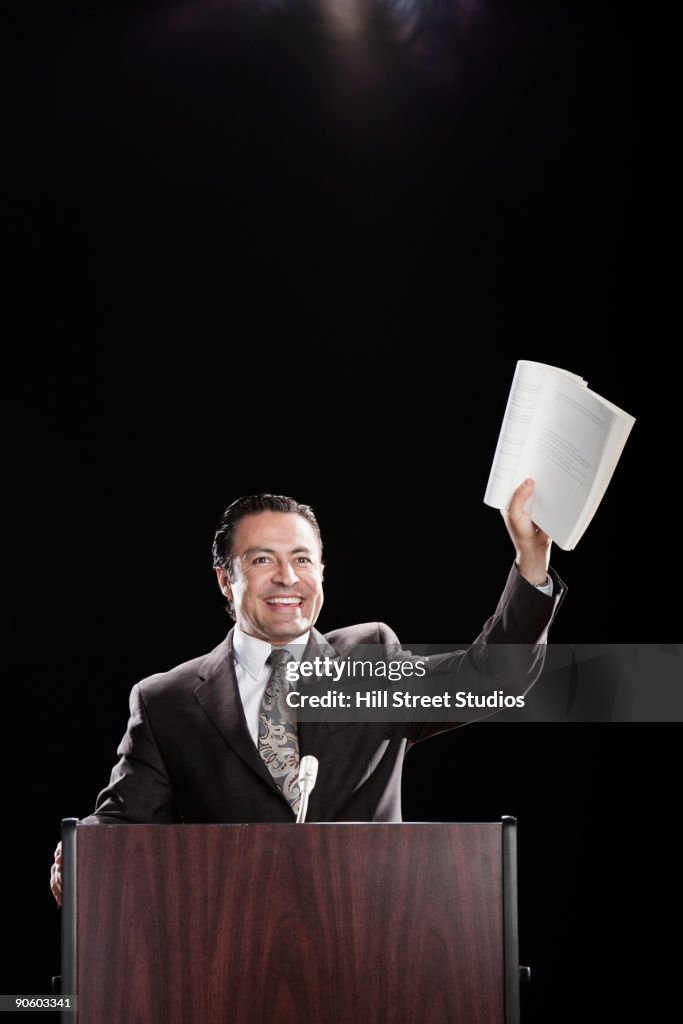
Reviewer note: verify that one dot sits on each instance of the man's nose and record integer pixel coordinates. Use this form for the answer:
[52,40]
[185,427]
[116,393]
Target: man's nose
[285,574]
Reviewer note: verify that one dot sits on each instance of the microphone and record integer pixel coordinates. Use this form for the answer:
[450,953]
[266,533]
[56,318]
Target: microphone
[308,773]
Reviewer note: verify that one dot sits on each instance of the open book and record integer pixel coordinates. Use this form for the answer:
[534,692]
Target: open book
[567,438]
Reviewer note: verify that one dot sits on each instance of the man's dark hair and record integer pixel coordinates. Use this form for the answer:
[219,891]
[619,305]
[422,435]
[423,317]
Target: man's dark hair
[250,505]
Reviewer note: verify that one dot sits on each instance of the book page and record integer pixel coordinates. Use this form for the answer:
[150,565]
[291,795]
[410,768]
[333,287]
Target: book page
[622,424]
[523,401]
[563,455]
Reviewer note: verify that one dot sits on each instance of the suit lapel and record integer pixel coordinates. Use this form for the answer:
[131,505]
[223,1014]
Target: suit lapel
[218,694]
[314,738]
[319,647]
[310,732]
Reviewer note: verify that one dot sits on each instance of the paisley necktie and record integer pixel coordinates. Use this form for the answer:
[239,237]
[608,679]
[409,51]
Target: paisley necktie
[278,742]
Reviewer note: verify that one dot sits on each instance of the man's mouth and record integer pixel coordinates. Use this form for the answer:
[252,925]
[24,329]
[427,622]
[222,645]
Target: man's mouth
[284,600]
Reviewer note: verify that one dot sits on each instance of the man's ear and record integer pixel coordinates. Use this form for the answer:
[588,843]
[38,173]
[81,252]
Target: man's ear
[223,583]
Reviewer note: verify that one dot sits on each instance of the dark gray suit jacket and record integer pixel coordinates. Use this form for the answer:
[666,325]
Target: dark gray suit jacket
[187,755]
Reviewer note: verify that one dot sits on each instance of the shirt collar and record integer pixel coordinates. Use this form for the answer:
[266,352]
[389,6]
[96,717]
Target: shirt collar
[252,653]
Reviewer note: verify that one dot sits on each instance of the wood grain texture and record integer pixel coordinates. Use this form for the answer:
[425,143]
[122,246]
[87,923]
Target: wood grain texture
[287,924]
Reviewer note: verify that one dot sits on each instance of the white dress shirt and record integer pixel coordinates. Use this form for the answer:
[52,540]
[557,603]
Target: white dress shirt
[252,673]
[545,588]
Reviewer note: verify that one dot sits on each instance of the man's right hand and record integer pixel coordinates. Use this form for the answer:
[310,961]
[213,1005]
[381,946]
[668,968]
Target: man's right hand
[56,875]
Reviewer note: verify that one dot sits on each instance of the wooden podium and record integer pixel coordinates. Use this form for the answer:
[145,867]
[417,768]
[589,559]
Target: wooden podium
[291,924]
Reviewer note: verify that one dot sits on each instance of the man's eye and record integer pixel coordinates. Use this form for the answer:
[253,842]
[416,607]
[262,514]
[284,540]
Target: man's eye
[304,559]
[260,560]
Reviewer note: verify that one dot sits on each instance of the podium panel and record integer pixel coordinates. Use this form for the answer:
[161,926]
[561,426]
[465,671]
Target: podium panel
[291,924]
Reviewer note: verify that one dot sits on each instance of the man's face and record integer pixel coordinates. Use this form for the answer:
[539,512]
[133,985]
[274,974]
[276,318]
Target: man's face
[277,587]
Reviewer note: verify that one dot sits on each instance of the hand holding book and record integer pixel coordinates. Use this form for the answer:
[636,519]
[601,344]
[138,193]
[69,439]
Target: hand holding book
[531,543]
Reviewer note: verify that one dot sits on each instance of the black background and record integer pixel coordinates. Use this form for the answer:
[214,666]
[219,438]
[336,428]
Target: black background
[249,253]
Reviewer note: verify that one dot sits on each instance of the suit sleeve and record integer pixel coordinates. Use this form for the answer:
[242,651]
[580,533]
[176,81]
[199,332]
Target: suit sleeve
[139,791]
[507,655]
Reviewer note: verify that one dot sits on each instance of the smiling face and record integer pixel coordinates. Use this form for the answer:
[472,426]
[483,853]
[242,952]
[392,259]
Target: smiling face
[277,576]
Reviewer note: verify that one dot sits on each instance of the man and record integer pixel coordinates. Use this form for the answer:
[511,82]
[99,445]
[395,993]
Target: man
[212,740]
